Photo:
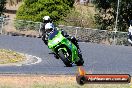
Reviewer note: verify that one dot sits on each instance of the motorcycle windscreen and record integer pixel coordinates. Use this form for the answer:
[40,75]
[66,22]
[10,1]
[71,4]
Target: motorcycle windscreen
[55,38]
[51,36]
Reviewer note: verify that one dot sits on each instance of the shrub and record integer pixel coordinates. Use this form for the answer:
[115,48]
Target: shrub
[34,10]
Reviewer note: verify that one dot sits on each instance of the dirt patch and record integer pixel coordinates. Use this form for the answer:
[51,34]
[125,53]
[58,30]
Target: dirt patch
[29,33]
[32,81]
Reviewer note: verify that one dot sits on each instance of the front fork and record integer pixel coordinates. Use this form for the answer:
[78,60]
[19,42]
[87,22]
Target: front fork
[74,51]
[67,54]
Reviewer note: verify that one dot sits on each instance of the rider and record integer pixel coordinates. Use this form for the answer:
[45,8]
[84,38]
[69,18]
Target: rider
[46,19]
[49,29]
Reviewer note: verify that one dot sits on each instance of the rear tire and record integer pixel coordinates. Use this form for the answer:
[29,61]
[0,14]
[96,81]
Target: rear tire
[64,58]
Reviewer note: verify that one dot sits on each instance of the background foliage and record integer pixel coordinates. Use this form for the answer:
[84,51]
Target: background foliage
[106,16]
[2,6]
[80,16]
[34,10]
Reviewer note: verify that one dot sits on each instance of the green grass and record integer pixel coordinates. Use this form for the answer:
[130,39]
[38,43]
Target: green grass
[5,86]
[74,85]
[8,56]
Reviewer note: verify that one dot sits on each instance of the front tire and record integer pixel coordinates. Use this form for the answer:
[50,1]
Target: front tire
[64,58]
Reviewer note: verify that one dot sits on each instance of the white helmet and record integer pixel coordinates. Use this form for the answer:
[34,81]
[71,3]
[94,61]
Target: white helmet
[46,19]
[49,27]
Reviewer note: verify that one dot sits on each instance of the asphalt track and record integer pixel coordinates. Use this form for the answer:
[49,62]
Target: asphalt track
[98,58]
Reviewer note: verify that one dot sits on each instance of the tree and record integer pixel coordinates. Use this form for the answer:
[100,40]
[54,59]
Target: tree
[107,14]
[3,3]
[34,10]
[13,2]
[2,6]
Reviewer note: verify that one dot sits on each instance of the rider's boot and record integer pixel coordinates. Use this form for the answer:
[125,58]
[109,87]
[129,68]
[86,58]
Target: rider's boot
[79,53]
[56,56]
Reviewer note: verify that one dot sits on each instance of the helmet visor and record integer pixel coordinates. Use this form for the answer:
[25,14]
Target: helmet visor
[49,30]
[46,21]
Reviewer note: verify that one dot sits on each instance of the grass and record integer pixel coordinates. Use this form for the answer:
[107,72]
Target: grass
[47,81]
[8,56]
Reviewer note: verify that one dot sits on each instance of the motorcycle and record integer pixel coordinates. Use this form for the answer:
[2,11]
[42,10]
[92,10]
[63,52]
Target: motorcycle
[64,49]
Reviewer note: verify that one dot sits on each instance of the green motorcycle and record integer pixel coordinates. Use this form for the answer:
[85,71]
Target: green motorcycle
[64,49]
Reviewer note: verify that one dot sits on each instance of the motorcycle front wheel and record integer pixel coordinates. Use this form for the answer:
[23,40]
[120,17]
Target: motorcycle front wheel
[64,58]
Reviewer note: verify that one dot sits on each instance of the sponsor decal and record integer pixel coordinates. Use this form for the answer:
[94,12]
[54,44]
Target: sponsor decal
[83,78]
